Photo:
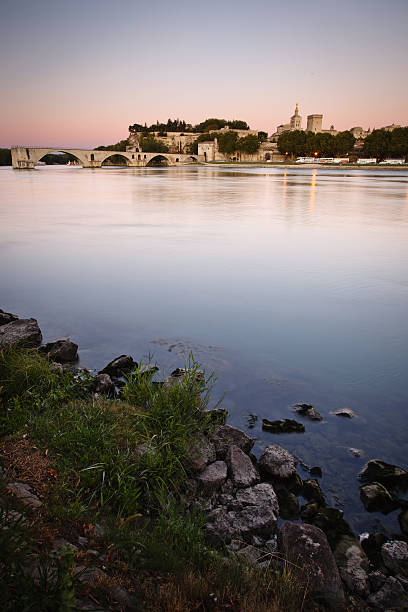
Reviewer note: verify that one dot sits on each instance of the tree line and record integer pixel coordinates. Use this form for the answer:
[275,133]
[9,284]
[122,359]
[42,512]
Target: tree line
[300,143]
[382,144]
[179,125]
[5,157]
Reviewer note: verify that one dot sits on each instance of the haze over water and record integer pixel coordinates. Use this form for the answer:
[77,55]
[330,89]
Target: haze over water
[291,284]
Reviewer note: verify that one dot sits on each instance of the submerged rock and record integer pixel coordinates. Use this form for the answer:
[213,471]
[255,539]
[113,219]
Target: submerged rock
[306,546]
[331,521]
[276,462]
[7,317]
[224,436]
[61,350]
[288,505]
[387,474]
[22,332]
[376,498]
[313,492]
[119,366]
[240,468]
[372,548]
[283,426]
[345,412]
[309,411]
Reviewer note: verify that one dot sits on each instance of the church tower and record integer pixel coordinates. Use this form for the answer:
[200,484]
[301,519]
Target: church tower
[296,120]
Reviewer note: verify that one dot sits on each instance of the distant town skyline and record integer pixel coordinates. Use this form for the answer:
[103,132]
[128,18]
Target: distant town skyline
[77,74]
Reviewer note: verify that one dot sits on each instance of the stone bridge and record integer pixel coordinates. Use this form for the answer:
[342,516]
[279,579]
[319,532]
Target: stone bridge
[28,157]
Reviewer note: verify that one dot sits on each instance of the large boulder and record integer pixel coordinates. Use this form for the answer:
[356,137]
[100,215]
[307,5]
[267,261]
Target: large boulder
[213,477]
[61,350]
[353,565]
[376,498]
[22,332]
[276,462]
[262,494]
[7,317]
[390,595]
[225,436]
[312,491]
[306,546]
[395,556]
[384,473]
[119,366]
[240,468]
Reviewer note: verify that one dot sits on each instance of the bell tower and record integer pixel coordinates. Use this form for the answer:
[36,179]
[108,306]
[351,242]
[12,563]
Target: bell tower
[296,120]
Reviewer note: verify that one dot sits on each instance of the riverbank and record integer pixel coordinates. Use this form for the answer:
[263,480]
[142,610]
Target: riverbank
[140,498]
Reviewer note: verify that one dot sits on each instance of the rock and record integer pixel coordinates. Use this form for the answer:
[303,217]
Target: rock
[7,317]
[355,452]
[276,462]
[376,580]
[82,541]
[384,473]
[240,468]
[403,521]
[22,332]
[213,476]
[125,599]
[395,556]
[288,505]
[243,524]
[218,416]
[309,411]
[353,565]
[316,471]
[390,595]
[331,521]
[24,494]
[376,498]
[103,385]
[271,545]
[372,548]
[283,426]
[224,436]
[345,412]
[306,546]
[250,554]
[262,494]
[309,511]
[61,350]
[201,454]
[313,492]
[60,544]
[119,366]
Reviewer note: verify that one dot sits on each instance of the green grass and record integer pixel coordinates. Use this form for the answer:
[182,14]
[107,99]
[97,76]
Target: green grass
[123,463]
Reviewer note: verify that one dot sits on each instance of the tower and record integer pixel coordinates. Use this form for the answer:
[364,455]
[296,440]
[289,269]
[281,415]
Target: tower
[296,120]
[314,123]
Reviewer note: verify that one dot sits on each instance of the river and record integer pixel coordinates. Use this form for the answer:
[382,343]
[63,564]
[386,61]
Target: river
[291,284]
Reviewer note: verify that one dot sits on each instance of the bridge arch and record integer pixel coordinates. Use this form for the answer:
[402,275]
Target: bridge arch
[38,156]
[120,154]
[158,160]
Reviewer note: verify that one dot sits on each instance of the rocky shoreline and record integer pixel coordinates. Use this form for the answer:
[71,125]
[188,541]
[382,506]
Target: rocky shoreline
[247,500]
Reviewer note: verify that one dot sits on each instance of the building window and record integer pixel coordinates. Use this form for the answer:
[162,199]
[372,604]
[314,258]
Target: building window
[92,157]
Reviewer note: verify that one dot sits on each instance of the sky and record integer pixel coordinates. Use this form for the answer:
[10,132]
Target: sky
[76,73]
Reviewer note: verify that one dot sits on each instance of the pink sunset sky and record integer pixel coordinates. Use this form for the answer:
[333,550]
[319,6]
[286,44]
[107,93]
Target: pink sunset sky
[76,74]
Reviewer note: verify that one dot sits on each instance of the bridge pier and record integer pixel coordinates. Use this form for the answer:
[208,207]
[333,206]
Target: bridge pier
[21,159]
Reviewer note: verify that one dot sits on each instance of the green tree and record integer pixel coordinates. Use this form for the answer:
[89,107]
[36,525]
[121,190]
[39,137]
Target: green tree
[344,143]
[152,145]
[248,144]
[238,124]
[378,144]
[119,146]
[5,157]
[399,143]
[227,142]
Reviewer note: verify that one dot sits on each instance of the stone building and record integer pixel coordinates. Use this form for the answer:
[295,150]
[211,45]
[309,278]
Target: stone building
[314,123]
[296,120]
[268,151]
[176,142]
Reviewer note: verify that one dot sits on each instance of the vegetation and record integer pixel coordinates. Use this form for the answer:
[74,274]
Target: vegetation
[5,157]
[152,145]
[382,144]
[124,465]
[300,143]
[178,125]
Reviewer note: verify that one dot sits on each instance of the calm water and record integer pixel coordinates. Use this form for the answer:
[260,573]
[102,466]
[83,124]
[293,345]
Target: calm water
[291,284]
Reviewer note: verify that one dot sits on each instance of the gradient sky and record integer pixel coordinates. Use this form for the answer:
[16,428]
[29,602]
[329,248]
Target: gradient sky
[77,73]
